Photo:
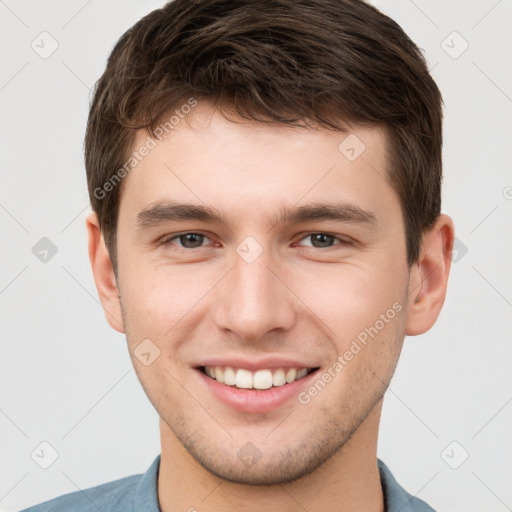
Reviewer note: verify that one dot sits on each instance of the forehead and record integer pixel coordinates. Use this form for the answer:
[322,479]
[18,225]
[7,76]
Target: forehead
[244,167]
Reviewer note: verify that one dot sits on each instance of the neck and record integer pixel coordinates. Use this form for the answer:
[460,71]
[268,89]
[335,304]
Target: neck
[347,481]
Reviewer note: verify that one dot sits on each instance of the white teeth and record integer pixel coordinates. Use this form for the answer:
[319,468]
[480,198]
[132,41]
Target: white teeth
[219,374]
[279,379]
[301,373]
[243,379]
[291,375]
[229,376]
[261,379]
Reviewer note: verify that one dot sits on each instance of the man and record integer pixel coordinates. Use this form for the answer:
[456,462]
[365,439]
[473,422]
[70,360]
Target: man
[265,179]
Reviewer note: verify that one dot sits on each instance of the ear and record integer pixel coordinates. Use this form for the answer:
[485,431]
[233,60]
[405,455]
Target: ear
[104,276]
[429,277]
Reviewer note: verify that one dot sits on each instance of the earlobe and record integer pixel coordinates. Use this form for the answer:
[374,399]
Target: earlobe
[429,277]
[104,276]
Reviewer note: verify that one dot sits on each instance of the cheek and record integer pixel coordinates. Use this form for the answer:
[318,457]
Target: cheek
[349,298]
[159,299]
[364,311]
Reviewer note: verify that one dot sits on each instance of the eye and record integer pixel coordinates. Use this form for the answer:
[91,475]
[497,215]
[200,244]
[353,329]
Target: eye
[323,240]
[186,240]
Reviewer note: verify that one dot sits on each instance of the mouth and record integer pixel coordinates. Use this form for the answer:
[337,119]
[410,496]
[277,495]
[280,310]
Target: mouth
[261,380]
[254,385]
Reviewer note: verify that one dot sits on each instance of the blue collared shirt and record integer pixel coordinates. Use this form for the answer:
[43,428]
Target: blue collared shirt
[138,493]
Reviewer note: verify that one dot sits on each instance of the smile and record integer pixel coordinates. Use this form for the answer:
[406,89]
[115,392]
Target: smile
[242,378]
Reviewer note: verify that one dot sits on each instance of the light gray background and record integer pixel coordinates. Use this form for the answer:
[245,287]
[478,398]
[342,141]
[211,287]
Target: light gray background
[66,376]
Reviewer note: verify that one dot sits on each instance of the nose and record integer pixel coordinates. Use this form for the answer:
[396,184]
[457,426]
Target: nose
[254,299]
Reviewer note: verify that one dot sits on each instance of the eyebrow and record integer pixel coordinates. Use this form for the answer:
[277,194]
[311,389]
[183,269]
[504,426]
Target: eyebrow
[342,212]
[169,211]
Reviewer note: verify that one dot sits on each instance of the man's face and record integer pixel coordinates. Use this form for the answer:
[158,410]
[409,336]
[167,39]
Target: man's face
[258,289]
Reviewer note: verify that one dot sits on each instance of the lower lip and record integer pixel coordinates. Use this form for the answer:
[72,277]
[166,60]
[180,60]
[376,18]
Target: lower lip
[255,400]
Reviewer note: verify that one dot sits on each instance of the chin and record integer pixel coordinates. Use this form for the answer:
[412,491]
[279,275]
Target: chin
[274,464]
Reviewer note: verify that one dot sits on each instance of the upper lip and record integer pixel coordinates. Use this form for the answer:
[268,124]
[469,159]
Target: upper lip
[254,365]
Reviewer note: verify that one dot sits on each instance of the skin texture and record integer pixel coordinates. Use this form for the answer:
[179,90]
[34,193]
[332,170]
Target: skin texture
[296,300]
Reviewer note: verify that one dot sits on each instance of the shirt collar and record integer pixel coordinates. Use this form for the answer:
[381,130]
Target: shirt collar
[146,493]
[396,498]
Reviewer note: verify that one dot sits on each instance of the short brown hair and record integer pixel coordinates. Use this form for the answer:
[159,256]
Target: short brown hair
[326,62]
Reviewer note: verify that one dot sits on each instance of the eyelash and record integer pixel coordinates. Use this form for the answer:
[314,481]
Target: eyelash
[342,242]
